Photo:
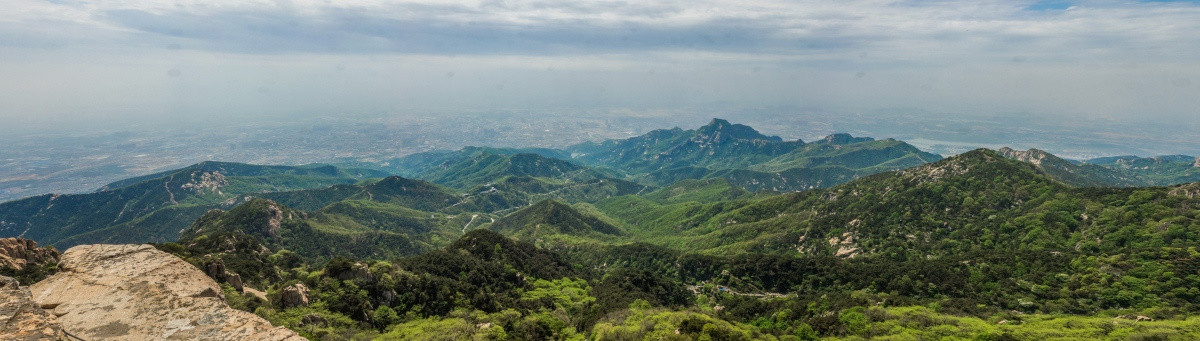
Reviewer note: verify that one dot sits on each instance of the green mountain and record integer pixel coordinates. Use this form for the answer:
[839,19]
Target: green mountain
[278,227]
[707,190]
[156,207]
[550,217]
[977,226]
[1074,174]
[861,154]
[947,249]
[497,180]
[395,190]
[719,144]
[720,149]
[1158,171]
[422,163]
[833,160]
[483,168]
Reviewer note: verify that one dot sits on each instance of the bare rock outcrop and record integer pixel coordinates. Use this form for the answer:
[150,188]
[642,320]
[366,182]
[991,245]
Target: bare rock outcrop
[295,295]
[21,318]
[136,292]
[1033,156]
[16,253]
[1191,190]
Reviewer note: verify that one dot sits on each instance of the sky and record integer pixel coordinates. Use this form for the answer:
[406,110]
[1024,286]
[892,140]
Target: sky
[103,62]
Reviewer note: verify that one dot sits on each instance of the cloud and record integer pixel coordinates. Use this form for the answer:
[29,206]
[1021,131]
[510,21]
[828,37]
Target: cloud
[1103,57]
[899,29]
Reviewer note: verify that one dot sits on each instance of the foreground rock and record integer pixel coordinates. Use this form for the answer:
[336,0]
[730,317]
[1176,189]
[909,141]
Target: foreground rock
[21,318]
[136,292]
[17,253]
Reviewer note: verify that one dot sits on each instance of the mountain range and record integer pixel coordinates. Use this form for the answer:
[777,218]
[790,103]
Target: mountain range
[719,232]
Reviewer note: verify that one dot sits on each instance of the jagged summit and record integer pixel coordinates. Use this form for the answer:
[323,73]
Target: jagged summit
[720,130]
[844,138]
[1033,155]
[1071,173]
[259,217]
[980,163]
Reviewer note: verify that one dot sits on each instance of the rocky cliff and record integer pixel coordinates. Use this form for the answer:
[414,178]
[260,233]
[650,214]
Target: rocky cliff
[136,292]
[16,253]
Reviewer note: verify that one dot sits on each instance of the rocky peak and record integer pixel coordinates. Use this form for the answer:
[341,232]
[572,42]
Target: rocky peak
[843,138]
[16,253]
[206,181]
[1034,156]
[721,130]
[954,166]
[136,292]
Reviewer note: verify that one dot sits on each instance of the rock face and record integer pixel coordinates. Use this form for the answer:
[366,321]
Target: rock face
[1197,164]
[294,296]
[16,253]
[21,318]
[1191,190]
[136,292]
[1033,156]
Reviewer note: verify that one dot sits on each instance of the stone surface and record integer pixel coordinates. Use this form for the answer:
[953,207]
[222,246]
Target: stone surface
[136,292]
[295,295]
[16,253]
[21,318]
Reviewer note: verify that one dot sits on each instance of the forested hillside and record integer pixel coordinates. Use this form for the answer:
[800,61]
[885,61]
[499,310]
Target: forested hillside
[156,207]
[520,245]
[977,245]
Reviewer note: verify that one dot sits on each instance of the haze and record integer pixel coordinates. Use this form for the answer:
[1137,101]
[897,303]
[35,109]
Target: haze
[112,63]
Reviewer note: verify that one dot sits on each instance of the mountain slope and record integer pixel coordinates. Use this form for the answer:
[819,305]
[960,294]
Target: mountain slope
[484,168]
[719,144]
[747,158]
[415,194]
[886,207]
[1158,171]
[415,164]
[497,182]
[550,217]
[278,227]
[1079,175]
[861,153]
[155,208]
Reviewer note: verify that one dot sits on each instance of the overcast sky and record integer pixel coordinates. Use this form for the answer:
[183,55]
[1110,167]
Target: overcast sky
[193,60]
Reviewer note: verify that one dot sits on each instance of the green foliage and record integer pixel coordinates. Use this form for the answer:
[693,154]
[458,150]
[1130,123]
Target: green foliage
[154,208]
[1155,171]
[977,246]
[31,273]
[552,217]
